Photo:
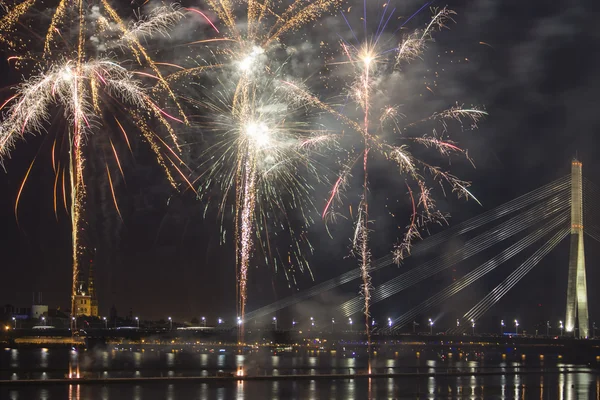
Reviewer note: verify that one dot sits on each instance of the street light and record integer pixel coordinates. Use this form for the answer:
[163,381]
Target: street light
[220,321]
[502,327]
[239,321]
[473,324]
[312,321]
[389,322]
[275,322]
[430,326]
[517,326]
[204,321]
[170,323]
[137,320]
[561,327]
[457,322]
[350,322]
[594,329]
[332,323]
[44,320]
[105,323]
[15,323]
[293,323]
[74,322]
[547,328]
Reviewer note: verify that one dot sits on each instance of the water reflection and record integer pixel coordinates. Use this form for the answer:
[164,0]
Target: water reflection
[350,389]
[137,392]
[221,360]
[561,386]
[275,390]
[14,358]
[170,359]
[44,358]
[104,357]
[576,381]
[203,360]
[170,392]
[431,385]
[137,359]
[44,394]
[240,391]
[74,392]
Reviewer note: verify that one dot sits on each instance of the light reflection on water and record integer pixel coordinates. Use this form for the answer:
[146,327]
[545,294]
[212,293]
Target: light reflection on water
[585,386]
[54,363]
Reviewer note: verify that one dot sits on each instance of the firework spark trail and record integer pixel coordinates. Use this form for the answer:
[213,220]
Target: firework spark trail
[371,62]
[8,22]
[248,200]
[79,85]
[363,243]
[159,21]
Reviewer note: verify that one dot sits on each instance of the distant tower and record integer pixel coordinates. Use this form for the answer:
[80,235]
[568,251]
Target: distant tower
[577,301]
[92,291]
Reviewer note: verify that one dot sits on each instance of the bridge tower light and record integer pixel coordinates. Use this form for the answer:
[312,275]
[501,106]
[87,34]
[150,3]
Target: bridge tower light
[577,299]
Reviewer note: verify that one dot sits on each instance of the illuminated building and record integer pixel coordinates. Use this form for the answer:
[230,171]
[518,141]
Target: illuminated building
[85,300]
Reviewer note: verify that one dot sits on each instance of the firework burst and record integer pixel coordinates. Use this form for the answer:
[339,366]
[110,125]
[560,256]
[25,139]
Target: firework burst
[369,64]
[263,138]
[77,74]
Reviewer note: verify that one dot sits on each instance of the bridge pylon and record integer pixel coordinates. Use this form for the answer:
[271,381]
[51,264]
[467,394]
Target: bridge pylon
[577,300]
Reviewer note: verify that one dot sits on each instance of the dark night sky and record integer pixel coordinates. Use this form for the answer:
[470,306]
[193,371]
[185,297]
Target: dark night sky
[538,78]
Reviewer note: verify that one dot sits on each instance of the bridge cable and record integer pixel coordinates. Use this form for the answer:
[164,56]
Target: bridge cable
[473,246]
[481,271]
[499,291]
[503,210]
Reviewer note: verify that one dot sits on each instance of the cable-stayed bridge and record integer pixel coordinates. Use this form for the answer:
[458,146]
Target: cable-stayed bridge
[541,218]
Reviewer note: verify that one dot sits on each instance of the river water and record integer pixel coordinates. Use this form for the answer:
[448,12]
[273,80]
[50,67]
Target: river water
[512,381]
